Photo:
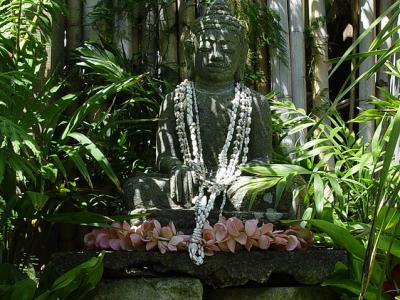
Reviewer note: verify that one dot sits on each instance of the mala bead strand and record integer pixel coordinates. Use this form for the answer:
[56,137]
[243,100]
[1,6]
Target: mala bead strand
[186,108]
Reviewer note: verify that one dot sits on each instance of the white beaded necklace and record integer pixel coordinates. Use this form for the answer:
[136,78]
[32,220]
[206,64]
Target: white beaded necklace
[185,105]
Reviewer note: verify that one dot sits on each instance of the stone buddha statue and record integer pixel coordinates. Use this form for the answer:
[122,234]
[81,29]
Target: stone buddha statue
[209,126]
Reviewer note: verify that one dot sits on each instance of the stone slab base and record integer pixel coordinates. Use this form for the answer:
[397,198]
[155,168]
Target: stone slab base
[181,288]
[272,293]
[308,267]
[149,289]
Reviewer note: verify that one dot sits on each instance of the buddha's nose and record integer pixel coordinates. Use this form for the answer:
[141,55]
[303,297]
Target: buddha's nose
[216,55]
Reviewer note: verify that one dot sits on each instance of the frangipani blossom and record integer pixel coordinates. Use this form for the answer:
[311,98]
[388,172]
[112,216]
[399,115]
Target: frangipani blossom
[226,235]
[209,240]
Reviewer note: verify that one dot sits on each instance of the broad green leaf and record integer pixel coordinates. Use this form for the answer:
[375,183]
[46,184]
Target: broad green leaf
[281,170]
[76,283]
[38,199]
[59,165]
[388,217]
[318,194]
[351,286]
[341,237]
[337,189]
[49,172]
[2,165]
[95,100]
[9,274]
[386,241]
[79,163]
[23,290]
[97,155]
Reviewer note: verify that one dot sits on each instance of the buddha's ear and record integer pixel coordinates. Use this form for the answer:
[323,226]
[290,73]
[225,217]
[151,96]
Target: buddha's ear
[188,44]
[239,75]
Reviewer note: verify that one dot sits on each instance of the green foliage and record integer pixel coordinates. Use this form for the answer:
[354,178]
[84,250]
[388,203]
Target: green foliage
[355,201]
[264,27]
[75,284]
[124,127]
[52,144]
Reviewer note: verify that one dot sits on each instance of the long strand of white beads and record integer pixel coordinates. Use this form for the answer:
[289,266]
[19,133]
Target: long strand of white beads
[179,106]
[186,103]
[203,170]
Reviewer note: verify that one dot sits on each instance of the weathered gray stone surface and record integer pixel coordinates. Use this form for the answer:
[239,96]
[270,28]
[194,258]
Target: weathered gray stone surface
[273,293]
[221,270]
[216,52]
[149,289]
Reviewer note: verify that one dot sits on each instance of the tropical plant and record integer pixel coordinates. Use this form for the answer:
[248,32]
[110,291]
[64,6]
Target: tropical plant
[74,284]
[356,202]
[125,125]
[51,144]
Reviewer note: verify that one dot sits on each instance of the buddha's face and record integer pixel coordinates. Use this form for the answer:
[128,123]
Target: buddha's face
[216,56]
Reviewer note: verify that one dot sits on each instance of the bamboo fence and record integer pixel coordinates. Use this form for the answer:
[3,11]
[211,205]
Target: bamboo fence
[150,34]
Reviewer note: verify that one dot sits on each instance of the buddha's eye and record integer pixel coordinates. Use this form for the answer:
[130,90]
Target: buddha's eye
[204,49]
[227,50]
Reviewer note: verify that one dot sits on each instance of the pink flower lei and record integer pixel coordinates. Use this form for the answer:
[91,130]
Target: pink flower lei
[229,235]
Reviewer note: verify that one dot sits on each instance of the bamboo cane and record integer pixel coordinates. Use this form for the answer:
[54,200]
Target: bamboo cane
[186,15]
[353,92]
[136,34]
[320,83]
[89,32]
[74,26]
[262,61]
[55,48]
[367,86]
[123,32]
[382,76]
[297,51]
[149,39]
[168,41]
[280,73]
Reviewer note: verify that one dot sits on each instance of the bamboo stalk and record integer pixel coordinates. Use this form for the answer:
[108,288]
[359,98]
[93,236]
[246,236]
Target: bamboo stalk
[55,49]
[394,86]
[353,92]
[89,32]
[297,51]
[320,83]
[123,32]
[169,42]
[186,15]
[136,34]
[298,58]
[280,73]
[74,26]
[262,61]
[149,39]
[382,76]
[367,86]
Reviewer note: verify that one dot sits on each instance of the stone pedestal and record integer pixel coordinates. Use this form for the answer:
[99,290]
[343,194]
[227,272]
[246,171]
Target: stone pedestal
[272,293]
[150,289]
[256,275]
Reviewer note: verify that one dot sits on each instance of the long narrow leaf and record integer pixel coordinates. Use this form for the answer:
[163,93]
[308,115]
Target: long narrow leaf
[97,155]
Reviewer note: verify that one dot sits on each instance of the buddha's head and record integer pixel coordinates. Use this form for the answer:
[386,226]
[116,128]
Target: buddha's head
[217,47]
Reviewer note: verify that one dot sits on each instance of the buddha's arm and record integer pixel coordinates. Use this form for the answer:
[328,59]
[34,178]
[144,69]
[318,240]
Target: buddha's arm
[260,148]
[166,144]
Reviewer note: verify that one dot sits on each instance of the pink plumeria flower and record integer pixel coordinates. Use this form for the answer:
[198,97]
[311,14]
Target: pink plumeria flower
[209,240]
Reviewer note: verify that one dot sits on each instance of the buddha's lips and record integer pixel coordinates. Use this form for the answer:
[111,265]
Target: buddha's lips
[216,66]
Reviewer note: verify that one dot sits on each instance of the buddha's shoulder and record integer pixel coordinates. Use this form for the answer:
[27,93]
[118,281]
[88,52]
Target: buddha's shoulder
[259,100]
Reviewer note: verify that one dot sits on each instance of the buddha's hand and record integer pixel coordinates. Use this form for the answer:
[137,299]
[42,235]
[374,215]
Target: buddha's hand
[182,185]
